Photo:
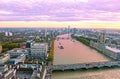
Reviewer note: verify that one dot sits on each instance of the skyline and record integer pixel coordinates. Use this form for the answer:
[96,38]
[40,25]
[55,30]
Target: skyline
[57,24]
[95,13]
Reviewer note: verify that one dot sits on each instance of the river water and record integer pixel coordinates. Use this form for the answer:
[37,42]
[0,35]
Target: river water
[76,52]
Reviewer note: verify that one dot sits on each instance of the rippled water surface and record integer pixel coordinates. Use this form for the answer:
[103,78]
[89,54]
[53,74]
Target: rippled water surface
[76,52]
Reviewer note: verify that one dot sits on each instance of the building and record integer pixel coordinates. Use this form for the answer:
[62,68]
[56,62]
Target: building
[18,59]
[8,34]
[113,52]
[102,38]
[39,50]
[10,74]
[74,30]
[4,58]
[6,72]
[18,52]
[23,45]
[37,70]
[21,58]
[109,42]
[29,43]
[3,68]
[106,50]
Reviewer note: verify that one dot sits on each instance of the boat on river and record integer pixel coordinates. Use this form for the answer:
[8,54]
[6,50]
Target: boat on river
[61,47]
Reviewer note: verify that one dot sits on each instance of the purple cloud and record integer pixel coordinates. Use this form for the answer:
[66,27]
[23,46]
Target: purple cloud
[59,10]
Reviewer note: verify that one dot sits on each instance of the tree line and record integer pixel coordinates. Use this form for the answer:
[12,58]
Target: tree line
[84,40]
[51,52]
[8,45]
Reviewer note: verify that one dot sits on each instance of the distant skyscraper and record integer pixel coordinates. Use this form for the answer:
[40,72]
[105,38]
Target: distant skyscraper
[8,34]
[74,30]
[45,33]
[68,31]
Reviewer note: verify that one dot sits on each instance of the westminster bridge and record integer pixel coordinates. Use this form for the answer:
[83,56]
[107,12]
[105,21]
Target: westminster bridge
[84,65]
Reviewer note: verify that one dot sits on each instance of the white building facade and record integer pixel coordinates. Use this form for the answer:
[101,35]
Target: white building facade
[39,50]
[109,51]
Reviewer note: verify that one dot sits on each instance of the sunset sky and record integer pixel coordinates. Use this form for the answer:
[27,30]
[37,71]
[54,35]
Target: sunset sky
[60,13]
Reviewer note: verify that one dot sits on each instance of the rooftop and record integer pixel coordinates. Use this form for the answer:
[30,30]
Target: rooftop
[113,49]
[39,44]
[3,55]
[18,50]
[19,57]
[30,41]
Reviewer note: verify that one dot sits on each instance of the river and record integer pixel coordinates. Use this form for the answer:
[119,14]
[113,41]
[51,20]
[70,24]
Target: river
[76,52]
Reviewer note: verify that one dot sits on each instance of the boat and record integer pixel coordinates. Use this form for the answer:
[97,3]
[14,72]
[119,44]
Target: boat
[61,47]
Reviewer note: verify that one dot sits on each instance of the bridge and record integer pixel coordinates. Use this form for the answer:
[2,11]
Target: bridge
[85,65]
[61,38]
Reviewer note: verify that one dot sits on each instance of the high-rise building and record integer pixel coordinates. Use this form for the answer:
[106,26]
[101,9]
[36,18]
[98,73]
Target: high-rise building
[74,30]
[39,50]
[68,31]
[8,34]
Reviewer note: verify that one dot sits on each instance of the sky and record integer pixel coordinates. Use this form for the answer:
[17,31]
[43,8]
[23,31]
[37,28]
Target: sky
[60,13]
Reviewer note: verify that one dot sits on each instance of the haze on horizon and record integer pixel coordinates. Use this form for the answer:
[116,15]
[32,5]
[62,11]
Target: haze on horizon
[60,13]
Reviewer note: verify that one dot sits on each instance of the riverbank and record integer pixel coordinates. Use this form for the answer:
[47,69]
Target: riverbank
[90,69]
[51,52]
[74,52]
[86,41]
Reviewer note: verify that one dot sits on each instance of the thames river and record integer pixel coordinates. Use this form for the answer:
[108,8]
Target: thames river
[76,52]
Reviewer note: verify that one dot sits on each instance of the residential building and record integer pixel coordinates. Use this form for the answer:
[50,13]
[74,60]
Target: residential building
[8,34]
[23,45]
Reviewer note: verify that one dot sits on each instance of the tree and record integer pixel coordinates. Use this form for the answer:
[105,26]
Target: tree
[51,53]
